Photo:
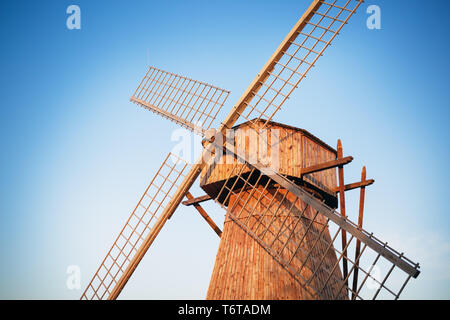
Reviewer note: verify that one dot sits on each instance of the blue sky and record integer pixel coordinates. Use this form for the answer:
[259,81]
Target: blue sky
[76,155]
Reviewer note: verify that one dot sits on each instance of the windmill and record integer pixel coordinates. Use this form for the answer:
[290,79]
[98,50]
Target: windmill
[280,186]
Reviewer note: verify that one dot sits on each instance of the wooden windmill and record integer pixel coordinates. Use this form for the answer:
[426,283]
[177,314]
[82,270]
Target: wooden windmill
[280,186]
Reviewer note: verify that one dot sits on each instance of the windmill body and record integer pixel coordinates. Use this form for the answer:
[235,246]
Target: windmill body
[243,269]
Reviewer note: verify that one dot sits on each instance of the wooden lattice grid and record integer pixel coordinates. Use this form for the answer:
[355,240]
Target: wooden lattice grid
[372,269]
[295,58]
[155,199]
[190,103]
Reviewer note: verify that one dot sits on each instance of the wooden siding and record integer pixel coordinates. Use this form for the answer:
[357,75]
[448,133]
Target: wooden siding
[297,149]
[244,270]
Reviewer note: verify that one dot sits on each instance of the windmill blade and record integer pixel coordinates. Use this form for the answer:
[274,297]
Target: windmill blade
[148,217]
[190,103]
[293,59]
[306,236]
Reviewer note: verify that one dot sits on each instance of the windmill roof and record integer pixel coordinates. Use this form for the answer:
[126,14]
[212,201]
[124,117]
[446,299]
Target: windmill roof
[305,132]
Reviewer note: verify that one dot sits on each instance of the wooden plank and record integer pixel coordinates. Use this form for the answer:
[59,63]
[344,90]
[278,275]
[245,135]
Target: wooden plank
[327,165]
[356,185]
[197,200]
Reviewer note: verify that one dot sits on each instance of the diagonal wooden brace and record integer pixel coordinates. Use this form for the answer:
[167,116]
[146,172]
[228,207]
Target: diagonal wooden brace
[204,214]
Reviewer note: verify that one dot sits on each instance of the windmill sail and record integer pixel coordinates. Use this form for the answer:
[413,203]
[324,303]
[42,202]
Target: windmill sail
[303,238]
[190,103]
[293,59]
[142,225]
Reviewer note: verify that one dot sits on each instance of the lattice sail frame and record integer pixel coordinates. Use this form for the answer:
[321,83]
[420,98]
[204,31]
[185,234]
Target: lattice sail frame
[190,103]
[293,59]
[375,268]
[139,225]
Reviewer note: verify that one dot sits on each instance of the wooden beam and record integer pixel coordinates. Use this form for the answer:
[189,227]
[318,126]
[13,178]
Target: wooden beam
[204,214]
[197,200]
[342,209]
[356,185]
[358,242]
[326,165]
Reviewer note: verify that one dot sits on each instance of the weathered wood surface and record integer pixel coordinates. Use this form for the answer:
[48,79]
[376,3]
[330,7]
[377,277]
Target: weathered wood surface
[203,213]
[244,270]
[297,149]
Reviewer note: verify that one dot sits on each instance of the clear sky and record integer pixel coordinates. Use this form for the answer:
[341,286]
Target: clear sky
[76,155]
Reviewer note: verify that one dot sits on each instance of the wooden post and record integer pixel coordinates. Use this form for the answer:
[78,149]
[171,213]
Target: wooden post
[342,208]
[360,223]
